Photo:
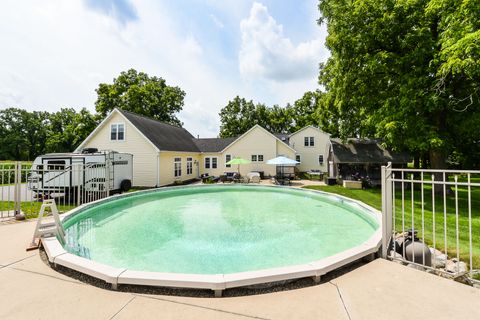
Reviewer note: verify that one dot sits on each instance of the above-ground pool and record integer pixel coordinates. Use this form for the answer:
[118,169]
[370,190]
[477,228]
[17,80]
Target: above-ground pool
[216,236]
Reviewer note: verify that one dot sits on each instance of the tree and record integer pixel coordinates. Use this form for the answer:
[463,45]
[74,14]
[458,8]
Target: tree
[13,144]
[68,128]
[304,110]
[138,92]
[239,115]
[404,71]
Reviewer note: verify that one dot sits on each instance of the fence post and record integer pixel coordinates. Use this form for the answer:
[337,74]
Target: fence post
[108,163]
[17,191]
[386,209]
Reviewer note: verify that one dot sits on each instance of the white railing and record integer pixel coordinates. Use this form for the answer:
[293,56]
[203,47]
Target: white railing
[24,186]
[440,207]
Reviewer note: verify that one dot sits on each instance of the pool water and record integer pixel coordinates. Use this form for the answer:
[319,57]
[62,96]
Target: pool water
[217,229]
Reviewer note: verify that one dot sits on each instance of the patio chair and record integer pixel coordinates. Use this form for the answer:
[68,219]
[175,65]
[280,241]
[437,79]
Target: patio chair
[253,177]
[230,176]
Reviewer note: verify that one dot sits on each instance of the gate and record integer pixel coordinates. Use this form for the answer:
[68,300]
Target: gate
[24,186]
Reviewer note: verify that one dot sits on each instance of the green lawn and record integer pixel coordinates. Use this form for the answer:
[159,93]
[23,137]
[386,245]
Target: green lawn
[31,209]
[372,197]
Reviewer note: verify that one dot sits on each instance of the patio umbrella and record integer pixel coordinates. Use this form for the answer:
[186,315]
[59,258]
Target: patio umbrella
[282,161]
[238,161]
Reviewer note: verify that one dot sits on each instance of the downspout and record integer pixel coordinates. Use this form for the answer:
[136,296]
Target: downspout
[158,169]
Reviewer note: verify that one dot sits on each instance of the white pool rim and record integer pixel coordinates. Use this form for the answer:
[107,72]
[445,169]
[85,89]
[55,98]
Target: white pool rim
[57,255]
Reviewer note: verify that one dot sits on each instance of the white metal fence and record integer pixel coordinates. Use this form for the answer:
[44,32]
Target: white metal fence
[23,187]
[442,207]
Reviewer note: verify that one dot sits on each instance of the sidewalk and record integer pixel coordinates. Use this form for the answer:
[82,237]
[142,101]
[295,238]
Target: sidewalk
[29,289]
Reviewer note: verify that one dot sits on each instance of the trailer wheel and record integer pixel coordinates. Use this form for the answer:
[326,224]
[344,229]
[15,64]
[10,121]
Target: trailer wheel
[125,185]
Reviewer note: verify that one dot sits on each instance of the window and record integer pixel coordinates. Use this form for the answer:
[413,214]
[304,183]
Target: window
[309,141]
[189,165]
[56,165]
[177,163]
[320,159]
[257,157]
[211,162]
[117,131]
[297,157]
[228,157]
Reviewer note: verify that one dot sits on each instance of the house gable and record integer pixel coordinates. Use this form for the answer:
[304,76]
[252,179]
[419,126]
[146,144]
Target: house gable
[113,117]
[312,146]
[255,127]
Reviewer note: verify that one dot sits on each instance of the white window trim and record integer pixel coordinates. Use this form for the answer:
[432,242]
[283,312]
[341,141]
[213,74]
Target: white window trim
[309,142]
[299,158]
[124,131]
[189,161]
[175,161]
[228,165]
[323,159]
[216,162]
[257,158]
[210,162]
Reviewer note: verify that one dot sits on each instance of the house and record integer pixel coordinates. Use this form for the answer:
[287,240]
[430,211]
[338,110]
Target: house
[164,154]
[312,147]
[361,157]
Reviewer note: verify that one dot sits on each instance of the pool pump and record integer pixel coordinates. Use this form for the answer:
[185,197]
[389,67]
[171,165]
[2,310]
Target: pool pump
[413,249]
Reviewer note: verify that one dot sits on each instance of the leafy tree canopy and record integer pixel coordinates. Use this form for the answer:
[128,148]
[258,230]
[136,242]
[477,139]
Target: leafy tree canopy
[239,115]
[24,135]
[406,71]
[138,92]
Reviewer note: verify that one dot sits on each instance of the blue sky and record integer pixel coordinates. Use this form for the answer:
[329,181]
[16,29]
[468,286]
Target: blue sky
[55,53]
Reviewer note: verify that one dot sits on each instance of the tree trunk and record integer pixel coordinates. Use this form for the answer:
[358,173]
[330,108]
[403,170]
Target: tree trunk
[416,162]
[438,161]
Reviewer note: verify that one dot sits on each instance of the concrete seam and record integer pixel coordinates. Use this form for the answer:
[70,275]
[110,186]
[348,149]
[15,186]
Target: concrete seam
[11,264]
[126,304]
[341,298]
[47,275]
[203,307]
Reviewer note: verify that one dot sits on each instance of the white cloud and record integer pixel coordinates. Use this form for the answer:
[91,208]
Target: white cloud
[217,21]
[266,53]
[55,53]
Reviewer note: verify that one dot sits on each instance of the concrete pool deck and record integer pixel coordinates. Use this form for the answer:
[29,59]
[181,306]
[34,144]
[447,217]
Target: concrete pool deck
[29,289]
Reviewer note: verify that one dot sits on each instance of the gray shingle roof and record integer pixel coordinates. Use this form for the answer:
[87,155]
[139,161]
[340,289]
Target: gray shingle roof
[365,151]
[284,137]
[164,136]
[213,144]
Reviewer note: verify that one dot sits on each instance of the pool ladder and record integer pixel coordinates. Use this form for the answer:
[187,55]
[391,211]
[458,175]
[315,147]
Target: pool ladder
[47,229]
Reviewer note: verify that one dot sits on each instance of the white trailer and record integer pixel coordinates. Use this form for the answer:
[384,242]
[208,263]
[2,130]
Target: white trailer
[89,171]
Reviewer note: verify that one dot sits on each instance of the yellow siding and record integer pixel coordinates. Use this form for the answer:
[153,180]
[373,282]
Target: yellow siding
[144,154]
[309,155]
[284,150]
[221,168]
[167,167]
[256,142]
